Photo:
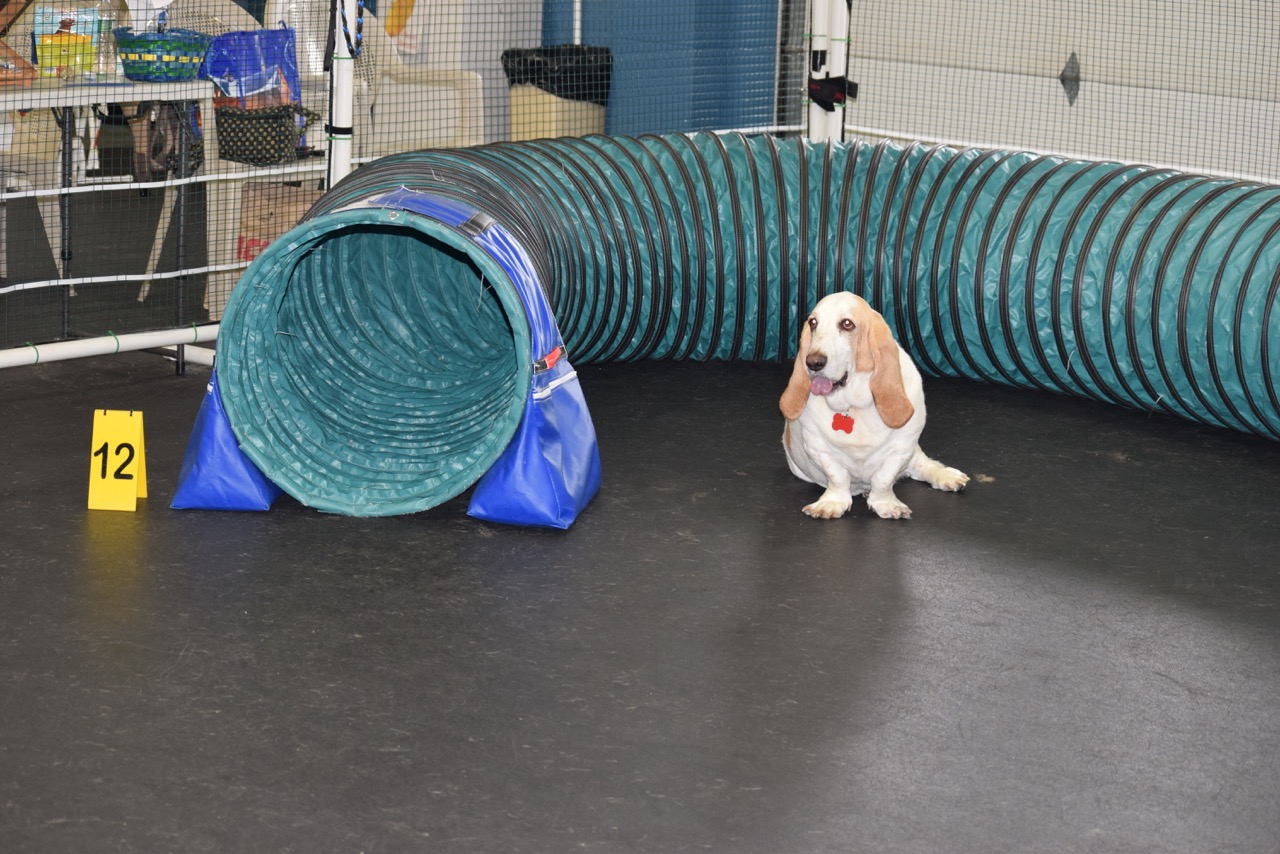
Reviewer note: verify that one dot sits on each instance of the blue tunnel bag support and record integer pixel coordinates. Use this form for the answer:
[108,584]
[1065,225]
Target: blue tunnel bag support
[550,470]
[215,473]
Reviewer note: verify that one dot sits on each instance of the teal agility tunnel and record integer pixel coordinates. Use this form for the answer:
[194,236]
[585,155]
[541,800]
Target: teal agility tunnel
[392,349]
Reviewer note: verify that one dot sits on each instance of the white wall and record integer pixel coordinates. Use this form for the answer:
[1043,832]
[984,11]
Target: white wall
[1188,83]
[470,35]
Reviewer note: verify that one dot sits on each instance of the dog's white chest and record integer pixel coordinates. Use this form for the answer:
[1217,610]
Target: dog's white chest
[848,439]
[849,429]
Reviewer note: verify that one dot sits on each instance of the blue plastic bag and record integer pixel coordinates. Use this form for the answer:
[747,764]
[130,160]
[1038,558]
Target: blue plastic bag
[256,68]
[250,54]
[215,474]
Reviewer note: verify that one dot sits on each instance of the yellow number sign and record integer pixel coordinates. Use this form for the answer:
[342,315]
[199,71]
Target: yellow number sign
[117,461]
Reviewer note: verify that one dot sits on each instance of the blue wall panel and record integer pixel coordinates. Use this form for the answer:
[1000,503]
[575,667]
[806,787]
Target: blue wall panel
[679,65]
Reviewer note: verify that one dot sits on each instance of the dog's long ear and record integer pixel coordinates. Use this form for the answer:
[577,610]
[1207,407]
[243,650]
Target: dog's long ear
[796,394]
[876,351]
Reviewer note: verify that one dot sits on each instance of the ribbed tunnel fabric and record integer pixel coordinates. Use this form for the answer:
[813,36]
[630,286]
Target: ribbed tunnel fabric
[378,365]
[383,368]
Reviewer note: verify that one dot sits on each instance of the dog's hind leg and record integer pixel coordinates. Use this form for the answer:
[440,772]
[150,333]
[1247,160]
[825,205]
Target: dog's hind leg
[928,470]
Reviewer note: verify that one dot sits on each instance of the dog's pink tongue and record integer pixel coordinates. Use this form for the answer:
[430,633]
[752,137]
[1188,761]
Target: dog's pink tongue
[821,385]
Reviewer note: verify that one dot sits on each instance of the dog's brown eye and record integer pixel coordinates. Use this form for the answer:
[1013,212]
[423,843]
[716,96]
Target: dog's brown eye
[813,323]
[847,325]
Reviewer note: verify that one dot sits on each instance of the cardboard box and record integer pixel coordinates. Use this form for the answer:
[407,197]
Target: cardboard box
[536,114]
[65,55]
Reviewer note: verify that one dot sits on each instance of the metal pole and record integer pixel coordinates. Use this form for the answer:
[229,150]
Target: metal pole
[185,114]
[837,61]
[828,57]
[67,126]
[341,93]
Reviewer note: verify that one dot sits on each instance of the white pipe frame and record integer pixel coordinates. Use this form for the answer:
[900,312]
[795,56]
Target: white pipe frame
[341,96]
[828,41]
[33,354]
[819,41]
[838,61]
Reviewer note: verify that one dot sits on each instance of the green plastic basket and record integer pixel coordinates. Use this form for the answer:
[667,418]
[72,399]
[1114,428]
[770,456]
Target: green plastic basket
[161,57]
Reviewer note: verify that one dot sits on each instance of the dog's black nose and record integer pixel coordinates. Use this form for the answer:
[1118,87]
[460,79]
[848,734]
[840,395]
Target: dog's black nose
[815,361]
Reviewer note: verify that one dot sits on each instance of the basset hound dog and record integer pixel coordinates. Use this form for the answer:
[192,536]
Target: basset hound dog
[855,410]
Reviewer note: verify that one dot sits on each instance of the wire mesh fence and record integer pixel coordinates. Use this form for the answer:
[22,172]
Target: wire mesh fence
[136,188]
[1183,83]
[133,203]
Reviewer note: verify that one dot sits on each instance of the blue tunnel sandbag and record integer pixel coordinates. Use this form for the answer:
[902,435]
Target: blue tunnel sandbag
[380,360]
[550,468]
[215,474]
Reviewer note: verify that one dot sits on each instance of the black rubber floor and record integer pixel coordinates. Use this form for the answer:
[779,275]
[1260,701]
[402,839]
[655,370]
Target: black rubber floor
[1080,653]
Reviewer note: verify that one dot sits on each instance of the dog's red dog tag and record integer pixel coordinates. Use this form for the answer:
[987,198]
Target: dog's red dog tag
[842,422]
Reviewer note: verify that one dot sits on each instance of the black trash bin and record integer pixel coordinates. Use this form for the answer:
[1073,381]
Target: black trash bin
[561,90]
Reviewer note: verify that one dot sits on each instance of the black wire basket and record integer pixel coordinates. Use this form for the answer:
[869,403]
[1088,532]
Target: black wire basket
[262,136]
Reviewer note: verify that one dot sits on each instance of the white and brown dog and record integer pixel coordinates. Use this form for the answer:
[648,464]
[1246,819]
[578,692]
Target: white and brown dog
[855,411]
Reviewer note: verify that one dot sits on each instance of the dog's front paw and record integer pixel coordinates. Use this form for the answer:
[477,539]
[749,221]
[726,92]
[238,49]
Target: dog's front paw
[889,508]
[950,480]
[829,506]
